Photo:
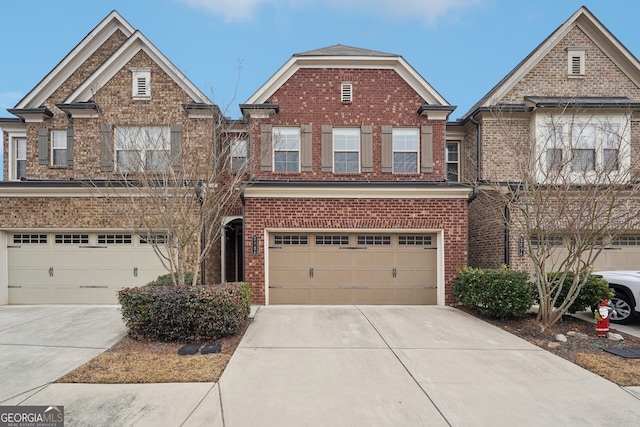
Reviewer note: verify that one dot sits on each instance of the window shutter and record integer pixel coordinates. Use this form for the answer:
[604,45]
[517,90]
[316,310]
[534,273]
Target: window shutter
[43,146]
[106,148]
[367,148]
[426,148]
[326,142]
[387,149]
[176,147]
[266,149]
[305,148]
[70,147]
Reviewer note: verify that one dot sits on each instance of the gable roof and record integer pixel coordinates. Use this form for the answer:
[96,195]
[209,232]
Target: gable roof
[593,28]
[87,47]
[134,44]
[341,56]
[74,59]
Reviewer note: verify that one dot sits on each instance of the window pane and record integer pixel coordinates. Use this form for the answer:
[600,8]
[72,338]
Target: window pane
[583,136]
[59,157]
[405,162]
[129,161]
[583,160]
[610,159]
[554,159]
[346,139]
[21,148]
[405,140]
[59,139]
[452,172]
[345,162]
[286,161]
[157,161]
[21,169]
[286,139]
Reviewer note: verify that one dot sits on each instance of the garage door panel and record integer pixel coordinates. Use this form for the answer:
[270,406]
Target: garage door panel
[366,269]
[54,268]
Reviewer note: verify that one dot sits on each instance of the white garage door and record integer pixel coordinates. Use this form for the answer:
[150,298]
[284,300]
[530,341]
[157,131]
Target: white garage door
[78,268]
[622,253]
[352,268]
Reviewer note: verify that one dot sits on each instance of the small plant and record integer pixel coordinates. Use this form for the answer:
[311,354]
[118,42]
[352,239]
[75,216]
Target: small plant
[498,293]
[165,280]
[592,293]
[185,313]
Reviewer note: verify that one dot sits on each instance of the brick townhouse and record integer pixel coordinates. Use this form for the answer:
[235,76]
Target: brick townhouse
[361,190]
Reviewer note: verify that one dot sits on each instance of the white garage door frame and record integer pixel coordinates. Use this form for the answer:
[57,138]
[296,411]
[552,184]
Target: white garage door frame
[440,250]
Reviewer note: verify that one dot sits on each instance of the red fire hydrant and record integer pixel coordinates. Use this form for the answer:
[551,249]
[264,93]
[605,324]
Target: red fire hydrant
[602,319]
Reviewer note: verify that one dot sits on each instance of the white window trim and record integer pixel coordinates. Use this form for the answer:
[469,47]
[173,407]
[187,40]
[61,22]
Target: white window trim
[13,136]
[573,52]
[140,73]
[54,149]
[274,135]
[600,121]
[333,149]
[393,151]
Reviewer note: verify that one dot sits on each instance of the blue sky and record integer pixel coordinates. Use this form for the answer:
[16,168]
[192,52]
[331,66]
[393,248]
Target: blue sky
[228,48]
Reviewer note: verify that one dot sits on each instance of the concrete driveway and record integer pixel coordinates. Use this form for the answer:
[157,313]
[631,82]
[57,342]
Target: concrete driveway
[318,366]
[39,344]
[409,366]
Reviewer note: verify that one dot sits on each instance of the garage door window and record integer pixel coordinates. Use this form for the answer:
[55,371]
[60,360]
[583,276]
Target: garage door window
[332,240]
[30,238]
[289,239]
[72,239]
[154,239]
[626,241]
[114,239]
[374,240]
[414,240]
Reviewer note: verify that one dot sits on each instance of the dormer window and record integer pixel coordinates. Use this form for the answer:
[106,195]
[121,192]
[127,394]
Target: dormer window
[347,92]
[576,61]
[141,83]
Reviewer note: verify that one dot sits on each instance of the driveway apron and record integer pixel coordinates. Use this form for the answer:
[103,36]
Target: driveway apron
[409,365]
[39,344]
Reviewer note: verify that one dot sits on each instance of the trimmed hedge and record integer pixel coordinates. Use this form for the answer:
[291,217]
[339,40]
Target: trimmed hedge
[499,293]
[594,291]
[185,313]
[165,280]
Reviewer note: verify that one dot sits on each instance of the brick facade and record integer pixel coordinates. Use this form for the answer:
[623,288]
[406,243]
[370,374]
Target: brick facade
[358,214]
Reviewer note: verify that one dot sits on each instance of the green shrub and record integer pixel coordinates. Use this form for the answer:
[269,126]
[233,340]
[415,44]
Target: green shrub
[245,290]
[165,280]
[499,293]
[184,313]
[594,291]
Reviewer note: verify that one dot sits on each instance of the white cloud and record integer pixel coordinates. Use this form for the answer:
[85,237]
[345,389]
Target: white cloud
[428,12]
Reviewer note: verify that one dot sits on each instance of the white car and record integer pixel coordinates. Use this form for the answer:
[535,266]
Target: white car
[626,302]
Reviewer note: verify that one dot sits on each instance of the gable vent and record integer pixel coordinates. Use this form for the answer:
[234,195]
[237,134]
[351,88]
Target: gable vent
[141,87]
[575,65]
[347,92]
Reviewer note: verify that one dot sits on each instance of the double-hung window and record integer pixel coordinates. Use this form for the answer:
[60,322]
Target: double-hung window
[20,158]
[238,154]
[286,149]
[453,161]
[346,150]
[142,149]
[581,148]
[59,148]
[406,144]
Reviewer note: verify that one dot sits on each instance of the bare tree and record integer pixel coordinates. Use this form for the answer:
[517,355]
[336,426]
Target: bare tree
[174,184]
[572,190]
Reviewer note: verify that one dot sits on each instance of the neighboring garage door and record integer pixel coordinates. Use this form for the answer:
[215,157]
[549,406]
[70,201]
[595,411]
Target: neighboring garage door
[355,268]
[78,268]
[622,253]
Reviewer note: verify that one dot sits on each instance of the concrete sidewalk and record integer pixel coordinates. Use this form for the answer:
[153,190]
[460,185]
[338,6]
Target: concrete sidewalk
[363,365]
